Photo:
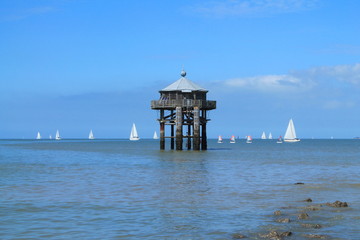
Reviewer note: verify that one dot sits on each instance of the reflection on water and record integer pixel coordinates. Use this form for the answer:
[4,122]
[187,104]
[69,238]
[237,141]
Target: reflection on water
[127,190]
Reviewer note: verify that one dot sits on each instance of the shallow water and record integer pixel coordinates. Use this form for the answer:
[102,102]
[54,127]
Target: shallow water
[117,189]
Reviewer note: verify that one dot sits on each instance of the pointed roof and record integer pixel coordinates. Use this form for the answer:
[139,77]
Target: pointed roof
[184,85]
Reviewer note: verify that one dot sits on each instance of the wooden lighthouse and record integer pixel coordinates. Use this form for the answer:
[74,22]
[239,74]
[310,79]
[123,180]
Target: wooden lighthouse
[183,108]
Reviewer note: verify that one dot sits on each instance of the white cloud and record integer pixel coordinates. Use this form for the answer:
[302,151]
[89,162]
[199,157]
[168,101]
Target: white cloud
[270,83]
[340,73]
[339,77]
[253,7]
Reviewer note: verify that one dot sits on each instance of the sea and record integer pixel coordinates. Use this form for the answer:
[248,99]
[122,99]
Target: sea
[120,189]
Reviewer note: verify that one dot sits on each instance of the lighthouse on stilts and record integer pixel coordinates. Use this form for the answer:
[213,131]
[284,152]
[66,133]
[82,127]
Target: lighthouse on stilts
[183,108]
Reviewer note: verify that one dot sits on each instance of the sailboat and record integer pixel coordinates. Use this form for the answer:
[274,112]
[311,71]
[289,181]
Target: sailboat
[232,139]
[290,135]
[220,140]
[270,136]
[279,140]
[249,139]
[263,136]
[91,135]
[38,136]
[50,137]
[155,136]
[133,134]
[57,136]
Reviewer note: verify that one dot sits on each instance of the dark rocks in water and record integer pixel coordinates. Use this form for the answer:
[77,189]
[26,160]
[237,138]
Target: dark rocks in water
[286,234]
[299,183]
[238,236]
[315,236]
[276,235]
[309,225]
[313,208]
[337,204]
[283,220]
[303,216]
[308,200]
[277,213]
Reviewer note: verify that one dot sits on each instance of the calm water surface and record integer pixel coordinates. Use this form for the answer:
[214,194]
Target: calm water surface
[117,189]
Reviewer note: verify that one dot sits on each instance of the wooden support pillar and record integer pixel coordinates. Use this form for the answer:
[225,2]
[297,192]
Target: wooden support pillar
[189,138]
[196,129]
[203,131]
[172,141]
[179,123]
[162,130]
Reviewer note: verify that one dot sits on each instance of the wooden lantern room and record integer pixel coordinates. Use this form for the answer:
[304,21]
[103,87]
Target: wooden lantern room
[183,108]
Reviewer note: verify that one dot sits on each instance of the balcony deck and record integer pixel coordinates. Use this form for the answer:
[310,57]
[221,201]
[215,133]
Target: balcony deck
[186,103]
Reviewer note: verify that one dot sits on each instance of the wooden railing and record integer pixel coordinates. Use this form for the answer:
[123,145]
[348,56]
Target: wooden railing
[190,103]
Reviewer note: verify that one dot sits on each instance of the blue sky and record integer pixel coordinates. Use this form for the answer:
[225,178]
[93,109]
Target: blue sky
[76,65]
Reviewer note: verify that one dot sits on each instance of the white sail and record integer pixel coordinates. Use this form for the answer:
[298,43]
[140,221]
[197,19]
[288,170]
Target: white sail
[155,136]
[57,136]
[133,134]
[50,137]
[38,136]
[263,136]
[232,139]
[270,136]
[220,140]
[91,135]
[290,134]
[249,139]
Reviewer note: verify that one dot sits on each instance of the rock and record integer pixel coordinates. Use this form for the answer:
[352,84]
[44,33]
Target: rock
[277,213]
[312,208]
[238,236]
[283,220]
[286,234]
[274,235]
[303,216]
[299,183]
[337,204]
[315,236]
[271,235]
[309,225]
[308,200]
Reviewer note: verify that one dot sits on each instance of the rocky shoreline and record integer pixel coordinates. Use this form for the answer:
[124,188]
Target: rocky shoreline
[297,222]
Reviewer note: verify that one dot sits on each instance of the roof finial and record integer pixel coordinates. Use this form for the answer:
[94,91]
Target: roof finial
[183,73]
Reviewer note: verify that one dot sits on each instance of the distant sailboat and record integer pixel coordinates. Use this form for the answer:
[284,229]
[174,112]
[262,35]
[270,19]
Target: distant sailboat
[155,136]
[249,139]
[279,140]
[270,136]
[57,136]
[290,135]
[38,136]
[220,140]
[91,135]
[133,134]
[263,136]
[50,137]
[232,139]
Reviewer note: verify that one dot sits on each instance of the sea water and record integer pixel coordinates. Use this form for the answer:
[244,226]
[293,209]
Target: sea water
[117,189]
